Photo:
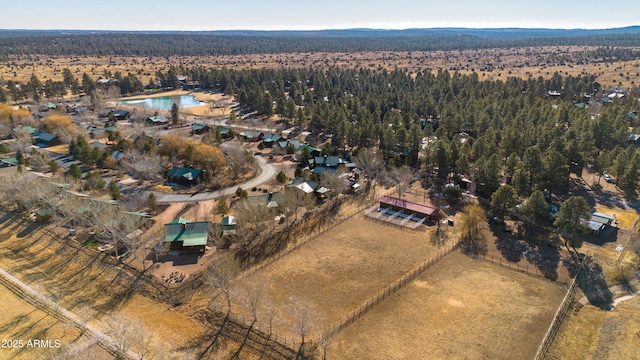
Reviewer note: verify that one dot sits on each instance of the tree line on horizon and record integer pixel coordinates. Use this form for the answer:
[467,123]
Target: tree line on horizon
[196,44]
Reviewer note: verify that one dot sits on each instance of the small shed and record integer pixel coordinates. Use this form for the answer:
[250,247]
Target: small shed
[229,225]
[44,215]
[599,221]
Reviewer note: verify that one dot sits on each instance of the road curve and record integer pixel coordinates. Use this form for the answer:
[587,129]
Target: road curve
[267,172]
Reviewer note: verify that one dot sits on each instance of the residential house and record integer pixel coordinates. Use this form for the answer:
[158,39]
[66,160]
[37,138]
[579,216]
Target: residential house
[7,162]
[226,133]
[326,164]
[270,200]
[46,107]
[270,139]
[199,129]
[156,120]
[185,176]
[98,133]
[184,235]
[79,109]
[43,139]
[252,136]
[309,187]
[117,155]
[121,114]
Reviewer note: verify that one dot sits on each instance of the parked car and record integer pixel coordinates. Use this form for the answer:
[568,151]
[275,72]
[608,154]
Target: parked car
[608,178]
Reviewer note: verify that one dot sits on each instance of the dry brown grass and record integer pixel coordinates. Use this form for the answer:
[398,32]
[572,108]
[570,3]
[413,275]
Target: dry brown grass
[21,321]
[592,333]
[519,62]
[626,218]
[458,309]
[342,269]
[85,285]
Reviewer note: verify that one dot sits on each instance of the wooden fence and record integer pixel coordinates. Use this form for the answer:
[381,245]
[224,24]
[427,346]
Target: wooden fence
[52,308]
[387,291]
[526,269]
[264,341]
[318,231]
[556,323]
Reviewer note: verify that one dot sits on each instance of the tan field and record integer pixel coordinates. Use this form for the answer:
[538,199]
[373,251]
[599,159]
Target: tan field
[488,63]
[458,309]
[342,269]
[591,334]
[93,290]
[22,322]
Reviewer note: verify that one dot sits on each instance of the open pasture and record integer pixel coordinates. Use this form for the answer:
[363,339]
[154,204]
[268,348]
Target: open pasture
[340,270]
[458,309]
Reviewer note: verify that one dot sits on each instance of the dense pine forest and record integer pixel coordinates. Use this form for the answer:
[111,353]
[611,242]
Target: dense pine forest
[479,129]
[235,43]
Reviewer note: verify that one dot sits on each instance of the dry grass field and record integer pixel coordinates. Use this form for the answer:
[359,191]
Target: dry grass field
[592,333]
[20,321]
[85,285]
[458,309]
[341,269]
[488,63]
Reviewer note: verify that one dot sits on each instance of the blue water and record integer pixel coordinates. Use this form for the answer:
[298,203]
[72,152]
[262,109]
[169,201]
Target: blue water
[165,102]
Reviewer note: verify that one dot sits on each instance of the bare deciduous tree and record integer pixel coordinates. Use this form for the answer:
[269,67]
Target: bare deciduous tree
[129,336]
[334,183]
[294,199]
[236,159]
[252,292]
[372,163]
[143,166]
[256,221]
[401,178]
[304,319]
[220,274]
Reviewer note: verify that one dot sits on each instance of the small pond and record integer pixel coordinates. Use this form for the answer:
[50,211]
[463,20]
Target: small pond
[165,102]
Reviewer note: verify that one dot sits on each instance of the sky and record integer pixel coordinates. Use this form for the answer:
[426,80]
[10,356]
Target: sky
[313,15]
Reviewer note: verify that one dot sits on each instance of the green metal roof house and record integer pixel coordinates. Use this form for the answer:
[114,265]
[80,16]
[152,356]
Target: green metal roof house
[270,139]
[43,139]
[199,128]
[12,161]
[185,176]
[189,236]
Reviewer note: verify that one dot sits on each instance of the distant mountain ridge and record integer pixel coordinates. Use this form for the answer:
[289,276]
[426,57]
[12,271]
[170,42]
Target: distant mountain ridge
[495,33]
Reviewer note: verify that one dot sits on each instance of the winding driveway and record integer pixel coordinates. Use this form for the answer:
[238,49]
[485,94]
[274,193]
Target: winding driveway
[267,172]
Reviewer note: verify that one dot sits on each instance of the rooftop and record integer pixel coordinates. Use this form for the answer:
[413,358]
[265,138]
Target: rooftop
[411,206]
[191,233]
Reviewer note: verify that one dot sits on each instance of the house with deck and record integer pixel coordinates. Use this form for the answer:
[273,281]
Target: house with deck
[187,236]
